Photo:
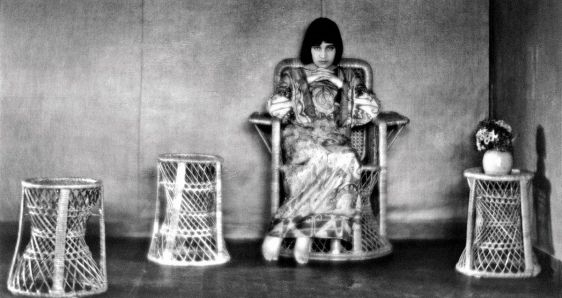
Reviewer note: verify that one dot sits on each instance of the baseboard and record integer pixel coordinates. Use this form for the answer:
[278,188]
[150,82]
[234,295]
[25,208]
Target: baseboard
[416,230]
[396,230]
[427,230]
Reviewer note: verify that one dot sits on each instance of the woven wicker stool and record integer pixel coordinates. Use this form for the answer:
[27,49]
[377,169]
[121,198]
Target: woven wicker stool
[498,242]
[57,262]
[191,232]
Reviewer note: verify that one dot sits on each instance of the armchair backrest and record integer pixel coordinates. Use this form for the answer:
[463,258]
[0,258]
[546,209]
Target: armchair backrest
[358,134]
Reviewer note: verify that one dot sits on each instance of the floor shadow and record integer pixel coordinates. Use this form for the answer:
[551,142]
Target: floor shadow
[541,196]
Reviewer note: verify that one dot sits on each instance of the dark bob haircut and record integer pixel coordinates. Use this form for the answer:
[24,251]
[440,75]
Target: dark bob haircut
[321,30]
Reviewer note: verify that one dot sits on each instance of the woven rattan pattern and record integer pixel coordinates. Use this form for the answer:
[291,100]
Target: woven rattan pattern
[498,242]
[372,244]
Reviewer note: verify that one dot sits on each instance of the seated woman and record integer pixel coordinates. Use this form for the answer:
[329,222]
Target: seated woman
[319,103]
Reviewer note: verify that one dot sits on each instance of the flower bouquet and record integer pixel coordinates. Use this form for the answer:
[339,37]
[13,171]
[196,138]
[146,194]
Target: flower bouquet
[494,134]
[495,137]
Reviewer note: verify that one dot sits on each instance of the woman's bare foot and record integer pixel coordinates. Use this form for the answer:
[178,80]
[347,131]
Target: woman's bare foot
[302,249]
[271,247]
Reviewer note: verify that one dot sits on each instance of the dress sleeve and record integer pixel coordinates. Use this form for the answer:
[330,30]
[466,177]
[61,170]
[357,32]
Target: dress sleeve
[366,105]
[291,101]
[282,95]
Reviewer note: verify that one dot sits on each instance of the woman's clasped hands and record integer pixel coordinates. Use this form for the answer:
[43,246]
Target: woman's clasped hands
[320,74]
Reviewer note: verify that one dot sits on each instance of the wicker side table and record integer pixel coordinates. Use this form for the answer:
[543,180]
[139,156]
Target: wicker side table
[498,236]
[190,234]
[57,262]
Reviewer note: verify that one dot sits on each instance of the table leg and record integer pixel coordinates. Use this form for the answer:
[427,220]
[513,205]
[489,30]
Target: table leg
[525,214]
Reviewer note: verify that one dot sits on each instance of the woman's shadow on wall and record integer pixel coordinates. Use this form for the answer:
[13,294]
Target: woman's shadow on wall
[541,197]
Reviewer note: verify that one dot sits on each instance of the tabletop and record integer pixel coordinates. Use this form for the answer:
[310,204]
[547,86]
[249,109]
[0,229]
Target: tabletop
[516,174]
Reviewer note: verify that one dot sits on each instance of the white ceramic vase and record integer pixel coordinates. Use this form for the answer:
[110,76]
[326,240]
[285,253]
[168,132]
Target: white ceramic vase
[497,162]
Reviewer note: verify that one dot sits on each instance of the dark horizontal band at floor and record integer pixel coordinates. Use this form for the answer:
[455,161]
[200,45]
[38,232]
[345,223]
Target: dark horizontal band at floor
[415,269]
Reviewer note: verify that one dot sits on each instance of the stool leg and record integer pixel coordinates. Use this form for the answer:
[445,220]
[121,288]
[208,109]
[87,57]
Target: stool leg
[176,206]
[102,242]
[60,241]
[156,224]
[20,235]
[470,224]
[357,226]
[335,246]
[218,210]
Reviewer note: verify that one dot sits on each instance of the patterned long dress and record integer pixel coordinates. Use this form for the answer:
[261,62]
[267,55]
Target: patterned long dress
[322,171]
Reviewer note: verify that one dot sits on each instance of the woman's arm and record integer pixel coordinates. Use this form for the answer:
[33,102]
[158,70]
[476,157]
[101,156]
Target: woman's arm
[279,104]
[366,105]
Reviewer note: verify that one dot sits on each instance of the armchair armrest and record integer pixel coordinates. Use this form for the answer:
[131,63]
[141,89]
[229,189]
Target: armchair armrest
[264,119]
[258,118]
[390,124]
[391,118]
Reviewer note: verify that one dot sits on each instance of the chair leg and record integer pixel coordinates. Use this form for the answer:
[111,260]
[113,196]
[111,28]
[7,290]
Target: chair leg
[357,225]
[382,178]
[357,234]
[335,246]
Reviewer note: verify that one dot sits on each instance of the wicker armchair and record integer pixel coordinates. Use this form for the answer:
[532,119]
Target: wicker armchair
[371,142]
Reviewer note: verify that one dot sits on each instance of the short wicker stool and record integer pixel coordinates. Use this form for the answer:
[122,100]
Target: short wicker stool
[498,242]
[57,262]
[191,231]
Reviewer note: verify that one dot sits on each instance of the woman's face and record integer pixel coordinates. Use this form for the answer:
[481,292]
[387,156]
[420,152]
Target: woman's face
[323,55]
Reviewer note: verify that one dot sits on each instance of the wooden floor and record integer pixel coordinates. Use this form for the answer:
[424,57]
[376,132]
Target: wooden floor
[415,269]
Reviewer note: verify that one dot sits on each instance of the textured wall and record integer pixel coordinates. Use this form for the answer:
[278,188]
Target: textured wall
[430,61]
[69,97]
[528,93]
[100,88]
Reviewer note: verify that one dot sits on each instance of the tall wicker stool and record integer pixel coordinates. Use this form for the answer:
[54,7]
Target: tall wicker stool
[191,232]
[57,262]
[498,242]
